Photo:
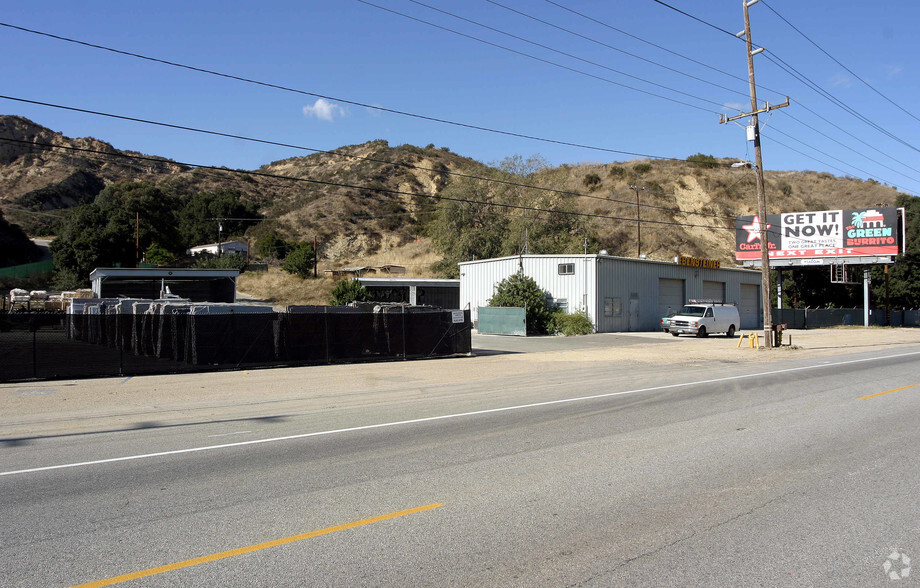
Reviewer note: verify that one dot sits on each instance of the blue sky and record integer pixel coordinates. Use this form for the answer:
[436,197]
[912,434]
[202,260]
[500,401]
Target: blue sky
[349,50]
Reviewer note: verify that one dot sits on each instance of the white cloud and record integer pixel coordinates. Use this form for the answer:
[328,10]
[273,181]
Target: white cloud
[841,80]
[894,70]
[324,110]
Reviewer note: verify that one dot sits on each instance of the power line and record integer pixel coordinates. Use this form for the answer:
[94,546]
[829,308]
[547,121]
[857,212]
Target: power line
[647,42]
[833,99]
[697,19]
[828,137]
[340,154]
[332,98]
[803,79]
[596,41]
[834,59]
[779,62]
[508,207]
[546,61]
[344,101]
[357,186]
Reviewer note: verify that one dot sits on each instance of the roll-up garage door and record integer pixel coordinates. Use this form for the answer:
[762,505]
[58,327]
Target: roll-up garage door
[749,308]
[670,295]
[714,291]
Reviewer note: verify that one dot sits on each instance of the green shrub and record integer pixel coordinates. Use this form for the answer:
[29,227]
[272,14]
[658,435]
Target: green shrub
[225,261]
[347,291]
[642,168]
[519,290]
[617,171]
[592,181]
[703,161]
[300,260]
[576,323]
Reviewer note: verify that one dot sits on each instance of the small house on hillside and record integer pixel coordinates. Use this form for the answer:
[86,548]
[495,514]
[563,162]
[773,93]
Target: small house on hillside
[224,247]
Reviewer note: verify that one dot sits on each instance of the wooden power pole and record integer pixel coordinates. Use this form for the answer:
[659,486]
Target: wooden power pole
[758,169]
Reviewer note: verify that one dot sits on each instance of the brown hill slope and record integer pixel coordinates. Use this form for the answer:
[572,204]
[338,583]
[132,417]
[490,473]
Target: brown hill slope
[364,199]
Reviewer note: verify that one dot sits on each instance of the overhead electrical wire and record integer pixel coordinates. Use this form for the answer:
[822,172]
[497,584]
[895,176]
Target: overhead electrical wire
[508,207]
[344,101]
[596,41]
[353,102]
[835,60]
[570,55]
[779,62]
[351,156]
[223,170]
[361,187]
[847,147]
[547,61]
[641,40]
[332,98]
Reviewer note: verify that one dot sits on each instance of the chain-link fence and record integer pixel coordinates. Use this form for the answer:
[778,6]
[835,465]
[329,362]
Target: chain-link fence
[50,346]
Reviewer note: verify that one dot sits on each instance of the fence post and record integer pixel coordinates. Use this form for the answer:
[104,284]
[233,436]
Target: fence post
[326,333]
[34,348]
[405,354]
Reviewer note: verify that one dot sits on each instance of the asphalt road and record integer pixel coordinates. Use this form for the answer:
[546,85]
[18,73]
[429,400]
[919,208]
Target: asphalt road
[792,473]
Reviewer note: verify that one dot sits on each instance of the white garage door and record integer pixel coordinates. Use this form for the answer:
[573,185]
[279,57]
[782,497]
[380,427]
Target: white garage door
[670,295]
[714,291]
[750,307]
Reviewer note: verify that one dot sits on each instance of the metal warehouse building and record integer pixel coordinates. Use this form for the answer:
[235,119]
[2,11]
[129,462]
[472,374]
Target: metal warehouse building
[197,285]
[618,293]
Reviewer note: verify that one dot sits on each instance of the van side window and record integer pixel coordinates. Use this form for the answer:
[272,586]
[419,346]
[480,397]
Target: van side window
[709,312]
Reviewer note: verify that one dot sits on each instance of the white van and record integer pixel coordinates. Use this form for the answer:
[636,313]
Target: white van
[703,318]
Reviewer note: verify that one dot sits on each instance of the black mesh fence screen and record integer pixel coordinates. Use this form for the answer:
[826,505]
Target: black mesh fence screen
[48,346]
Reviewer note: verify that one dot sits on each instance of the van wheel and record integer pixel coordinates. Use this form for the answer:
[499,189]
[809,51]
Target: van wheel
[673,334]
[731,332]
[702,332]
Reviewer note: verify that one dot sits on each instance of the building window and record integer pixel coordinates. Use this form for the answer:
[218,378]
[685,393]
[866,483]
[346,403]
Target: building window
[566,269]
[613,307]
[562,304]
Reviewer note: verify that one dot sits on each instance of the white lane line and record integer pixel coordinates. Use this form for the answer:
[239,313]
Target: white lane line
[229,434]
[449,416]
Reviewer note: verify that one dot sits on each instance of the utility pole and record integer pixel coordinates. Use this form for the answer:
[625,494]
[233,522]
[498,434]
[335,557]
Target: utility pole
[220,229]
[638,222]
[137,238]
[758,169]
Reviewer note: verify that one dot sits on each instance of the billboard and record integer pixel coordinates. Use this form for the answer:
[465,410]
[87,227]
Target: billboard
[804,238]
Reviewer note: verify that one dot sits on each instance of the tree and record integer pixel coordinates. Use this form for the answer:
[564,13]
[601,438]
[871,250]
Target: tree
[347,291]
[158,255]
[903,284]
[199,222]
[519,290]
[15,246]
[482,219]
[126,217]
[300,261]
[272,246]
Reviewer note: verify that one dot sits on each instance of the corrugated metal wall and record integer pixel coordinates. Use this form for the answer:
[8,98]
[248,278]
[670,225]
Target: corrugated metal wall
[619,294]
[478,279]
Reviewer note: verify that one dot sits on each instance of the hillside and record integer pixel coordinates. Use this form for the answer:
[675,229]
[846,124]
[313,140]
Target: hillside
[366,199]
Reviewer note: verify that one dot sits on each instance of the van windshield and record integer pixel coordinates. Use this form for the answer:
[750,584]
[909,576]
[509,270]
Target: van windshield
[692,311]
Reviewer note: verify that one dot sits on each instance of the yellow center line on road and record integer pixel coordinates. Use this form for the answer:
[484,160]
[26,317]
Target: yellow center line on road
[251,548]
[889,391]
